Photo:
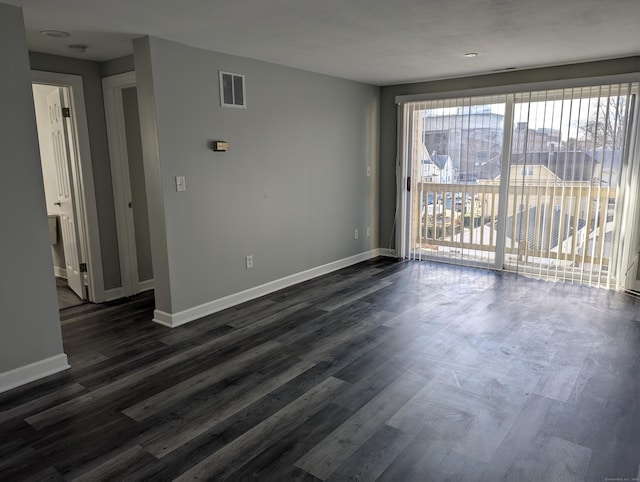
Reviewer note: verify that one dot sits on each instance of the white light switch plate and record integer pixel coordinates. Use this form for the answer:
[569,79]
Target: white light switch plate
[181,183]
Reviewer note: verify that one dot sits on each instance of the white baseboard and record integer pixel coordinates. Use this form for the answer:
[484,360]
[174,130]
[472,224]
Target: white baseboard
[145,285]
[390,253]
[173,320]
[33,371]
[60,272]
[113,294]
[166,319]
[117,293]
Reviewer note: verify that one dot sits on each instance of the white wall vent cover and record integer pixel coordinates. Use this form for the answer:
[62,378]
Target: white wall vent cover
[232,93]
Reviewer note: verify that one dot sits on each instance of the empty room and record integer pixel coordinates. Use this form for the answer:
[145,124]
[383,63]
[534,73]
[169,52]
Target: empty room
[320,241]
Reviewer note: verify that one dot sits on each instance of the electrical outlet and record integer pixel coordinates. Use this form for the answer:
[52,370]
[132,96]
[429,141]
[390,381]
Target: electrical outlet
[181,183]
[249,261]
[368,170]
[368,231]
[355,234]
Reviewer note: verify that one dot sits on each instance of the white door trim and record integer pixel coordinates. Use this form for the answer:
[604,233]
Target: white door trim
[403,203]
[90,251]
[116,133]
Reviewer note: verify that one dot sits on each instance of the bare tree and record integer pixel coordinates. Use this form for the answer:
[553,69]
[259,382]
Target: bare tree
[606,127]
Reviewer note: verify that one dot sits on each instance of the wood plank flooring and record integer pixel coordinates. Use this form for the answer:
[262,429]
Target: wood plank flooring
[387,370]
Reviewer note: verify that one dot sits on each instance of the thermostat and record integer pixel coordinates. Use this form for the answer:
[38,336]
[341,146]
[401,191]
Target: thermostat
[220,146]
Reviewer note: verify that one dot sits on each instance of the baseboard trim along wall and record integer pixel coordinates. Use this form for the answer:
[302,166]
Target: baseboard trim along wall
[60,272]
[173,320]
[117,293]
[389,253]
[33,371]
[145,285]
[113,294]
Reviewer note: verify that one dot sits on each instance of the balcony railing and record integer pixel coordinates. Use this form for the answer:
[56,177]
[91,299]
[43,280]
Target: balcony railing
[567,222]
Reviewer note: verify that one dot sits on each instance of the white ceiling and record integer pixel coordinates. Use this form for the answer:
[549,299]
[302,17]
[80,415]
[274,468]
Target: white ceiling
[375,41]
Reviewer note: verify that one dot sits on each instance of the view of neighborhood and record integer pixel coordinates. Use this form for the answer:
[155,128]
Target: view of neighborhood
[564,161]
[465,143]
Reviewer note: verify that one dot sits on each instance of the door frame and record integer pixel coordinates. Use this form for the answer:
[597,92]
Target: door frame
[404,171]
[112,88]
[82,179]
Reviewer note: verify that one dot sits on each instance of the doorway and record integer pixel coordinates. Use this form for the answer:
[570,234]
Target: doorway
[68,182]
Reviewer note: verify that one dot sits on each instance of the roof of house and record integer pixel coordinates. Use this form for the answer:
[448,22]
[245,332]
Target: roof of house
[552,228]
[490,169]
[610,159]
[440,160]
[567,165]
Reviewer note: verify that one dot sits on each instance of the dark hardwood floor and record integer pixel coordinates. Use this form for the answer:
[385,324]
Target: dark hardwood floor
[392,371]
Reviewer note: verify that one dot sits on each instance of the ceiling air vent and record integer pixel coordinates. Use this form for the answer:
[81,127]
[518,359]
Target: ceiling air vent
[232,92]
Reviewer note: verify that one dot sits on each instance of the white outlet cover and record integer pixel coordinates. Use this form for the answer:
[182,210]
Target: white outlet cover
[368,170]
[181,183]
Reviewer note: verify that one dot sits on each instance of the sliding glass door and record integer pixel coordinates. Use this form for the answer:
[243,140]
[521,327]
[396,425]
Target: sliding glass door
[525,182]
[455,151]
[566,161]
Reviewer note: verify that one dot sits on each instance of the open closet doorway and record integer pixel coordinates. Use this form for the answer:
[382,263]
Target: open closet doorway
[69,194]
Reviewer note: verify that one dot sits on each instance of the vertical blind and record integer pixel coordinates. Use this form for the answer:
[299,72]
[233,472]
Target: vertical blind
[566,161]
[555,157]
[455,144]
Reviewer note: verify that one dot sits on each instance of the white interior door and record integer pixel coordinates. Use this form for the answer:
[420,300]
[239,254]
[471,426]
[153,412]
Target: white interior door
[66,215]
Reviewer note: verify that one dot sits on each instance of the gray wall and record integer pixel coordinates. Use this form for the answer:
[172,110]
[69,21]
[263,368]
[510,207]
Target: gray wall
[388,114]
[291,190]
[30,324]
[117,66]
[92,85]
[136,178]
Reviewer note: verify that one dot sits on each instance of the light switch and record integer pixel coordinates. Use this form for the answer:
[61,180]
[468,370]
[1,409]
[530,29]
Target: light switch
[181,183]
